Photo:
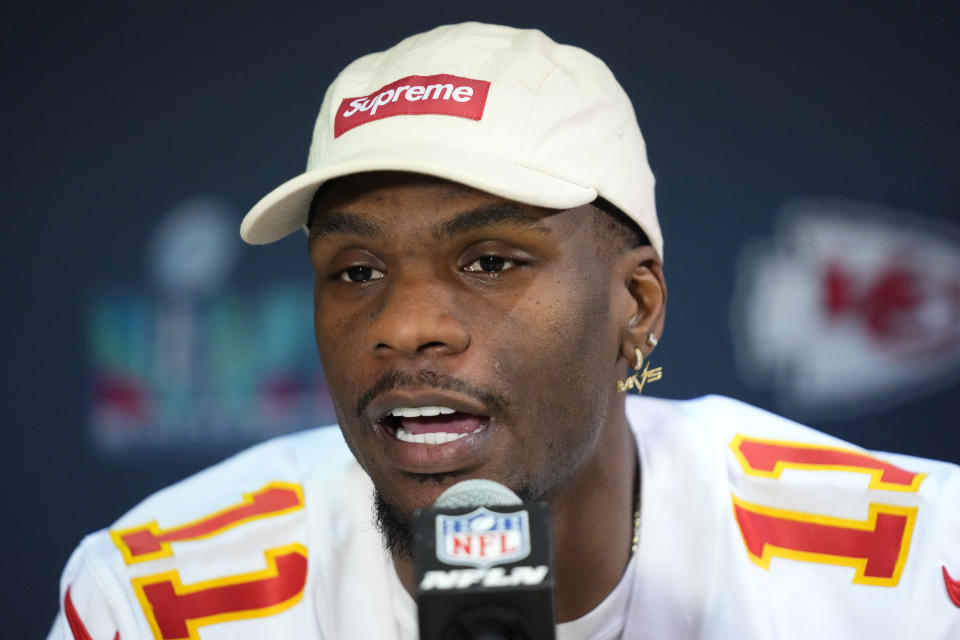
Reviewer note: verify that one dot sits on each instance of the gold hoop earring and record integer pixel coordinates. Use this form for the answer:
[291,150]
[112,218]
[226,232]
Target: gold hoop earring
[638,379]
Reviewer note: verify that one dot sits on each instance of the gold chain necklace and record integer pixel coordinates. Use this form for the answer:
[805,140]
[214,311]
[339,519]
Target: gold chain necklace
[636,512]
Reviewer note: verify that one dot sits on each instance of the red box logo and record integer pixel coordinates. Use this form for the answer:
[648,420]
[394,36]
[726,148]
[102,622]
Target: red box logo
[441,94]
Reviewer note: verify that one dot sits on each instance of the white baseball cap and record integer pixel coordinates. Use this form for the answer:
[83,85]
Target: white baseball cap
[507,111]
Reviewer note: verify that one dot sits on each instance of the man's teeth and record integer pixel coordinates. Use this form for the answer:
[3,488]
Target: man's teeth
[417,412]
[436,437]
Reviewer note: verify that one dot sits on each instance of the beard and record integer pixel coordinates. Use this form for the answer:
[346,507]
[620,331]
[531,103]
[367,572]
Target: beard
[396,529]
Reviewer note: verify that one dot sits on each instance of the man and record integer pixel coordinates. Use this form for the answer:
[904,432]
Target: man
[488,265]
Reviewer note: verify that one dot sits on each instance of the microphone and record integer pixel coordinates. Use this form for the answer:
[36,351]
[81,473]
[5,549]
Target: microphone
[484,564]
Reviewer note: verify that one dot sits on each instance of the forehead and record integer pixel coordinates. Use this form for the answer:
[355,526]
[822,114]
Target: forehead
[384,184]
[366,203]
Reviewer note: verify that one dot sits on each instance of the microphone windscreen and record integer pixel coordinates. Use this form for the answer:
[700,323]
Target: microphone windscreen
[477,493]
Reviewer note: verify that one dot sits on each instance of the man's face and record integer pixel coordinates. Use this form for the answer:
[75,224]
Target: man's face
[463,335]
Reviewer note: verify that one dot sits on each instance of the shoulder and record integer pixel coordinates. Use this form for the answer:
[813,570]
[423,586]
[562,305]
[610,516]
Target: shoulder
[715,417]
[261,489]
[289,462]
[792,510]
[756,452]
[243,524]
[757,439]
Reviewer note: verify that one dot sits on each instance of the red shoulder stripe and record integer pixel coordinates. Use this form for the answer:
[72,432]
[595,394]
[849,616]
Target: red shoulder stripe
[953,587]
[77,627]
[73,618]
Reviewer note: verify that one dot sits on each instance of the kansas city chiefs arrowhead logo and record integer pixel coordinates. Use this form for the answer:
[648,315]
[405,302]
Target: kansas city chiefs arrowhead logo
[849,306]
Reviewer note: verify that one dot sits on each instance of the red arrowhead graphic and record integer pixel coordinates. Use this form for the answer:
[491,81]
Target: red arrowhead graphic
[953,587]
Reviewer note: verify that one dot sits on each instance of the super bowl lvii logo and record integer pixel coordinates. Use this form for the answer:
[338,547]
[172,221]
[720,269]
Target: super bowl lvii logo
[191,354]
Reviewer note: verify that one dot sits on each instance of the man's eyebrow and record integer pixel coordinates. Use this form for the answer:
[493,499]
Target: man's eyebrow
[341,223]
[508,213]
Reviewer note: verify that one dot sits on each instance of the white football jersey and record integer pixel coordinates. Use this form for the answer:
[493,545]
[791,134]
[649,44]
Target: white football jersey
[753,527]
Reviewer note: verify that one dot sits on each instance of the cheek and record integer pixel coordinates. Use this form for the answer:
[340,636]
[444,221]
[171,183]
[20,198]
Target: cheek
[556,351]
[338,348]
[575,363]
[561,328]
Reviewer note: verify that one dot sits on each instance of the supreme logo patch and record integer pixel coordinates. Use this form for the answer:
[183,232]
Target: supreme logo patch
[441,94]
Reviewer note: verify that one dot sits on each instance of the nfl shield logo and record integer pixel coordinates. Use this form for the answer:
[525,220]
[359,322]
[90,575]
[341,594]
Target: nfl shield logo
[483,538]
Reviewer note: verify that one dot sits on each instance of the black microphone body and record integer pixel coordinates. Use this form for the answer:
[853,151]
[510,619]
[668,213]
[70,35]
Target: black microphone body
[484,563]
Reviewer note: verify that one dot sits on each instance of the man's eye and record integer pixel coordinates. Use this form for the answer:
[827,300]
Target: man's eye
[359,273]
[490,264]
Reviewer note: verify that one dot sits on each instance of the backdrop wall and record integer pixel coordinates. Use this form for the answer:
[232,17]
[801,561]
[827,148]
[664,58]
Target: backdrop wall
[806,163]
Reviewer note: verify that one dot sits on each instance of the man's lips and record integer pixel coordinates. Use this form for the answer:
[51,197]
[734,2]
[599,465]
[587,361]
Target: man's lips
[402,405]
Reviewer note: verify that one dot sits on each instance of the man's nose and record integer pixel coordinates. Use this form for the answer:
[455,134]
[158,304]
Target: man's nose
[420,316]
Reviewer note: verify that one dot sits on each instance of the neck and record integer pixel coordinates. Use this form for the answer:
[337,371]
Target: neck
[592,524]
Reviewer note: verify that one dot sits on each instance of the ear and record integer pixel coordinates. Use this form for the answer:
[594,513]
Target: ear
[644,294]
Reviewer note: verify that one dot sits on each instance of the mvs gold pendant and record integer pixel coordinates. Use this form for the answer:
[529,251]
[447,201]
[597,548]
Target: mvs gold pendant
[640,378]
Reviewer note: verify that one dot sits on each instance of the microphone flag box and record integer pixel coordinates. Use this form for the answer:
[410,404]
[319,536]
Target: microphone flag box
[484,572]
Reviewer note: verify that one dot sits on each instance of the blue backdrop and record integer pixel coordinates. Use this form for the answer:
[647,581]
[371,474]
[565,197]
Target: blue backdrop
[136,133]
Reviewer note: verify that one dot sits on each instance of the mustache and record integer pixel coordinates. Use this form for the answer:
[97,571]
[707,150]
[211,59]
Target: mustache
[401,379]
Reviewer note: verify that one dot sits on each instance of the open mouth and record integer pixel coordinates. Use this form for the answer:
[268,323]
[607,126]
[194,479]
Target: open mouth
[432,425]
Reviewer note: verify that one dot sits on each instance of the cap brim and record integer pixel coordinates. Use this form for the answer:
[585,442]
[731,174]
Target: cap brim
[285,209]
